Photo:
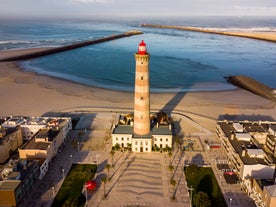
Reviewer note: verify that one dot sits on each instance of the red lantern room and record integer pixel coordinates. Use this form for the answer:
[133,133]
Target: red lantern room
[142,50]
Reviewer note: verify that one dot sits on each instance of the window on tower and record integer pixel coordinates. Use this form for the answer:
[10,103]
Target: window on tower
[142,77]
[142,98]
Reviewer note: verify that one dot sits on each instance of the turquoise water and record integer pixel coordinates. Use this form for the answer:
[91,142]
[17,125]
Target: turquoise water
[180,60]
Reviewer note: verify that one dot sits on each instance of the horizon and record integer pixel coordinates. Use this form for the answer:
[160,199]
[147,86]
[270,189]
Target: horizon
[87,9]
[139,19]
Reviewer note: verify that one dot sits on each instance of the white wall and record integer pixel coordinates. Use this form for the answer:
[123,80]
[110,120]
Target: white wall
[164,140]
[121,139]
[141,144]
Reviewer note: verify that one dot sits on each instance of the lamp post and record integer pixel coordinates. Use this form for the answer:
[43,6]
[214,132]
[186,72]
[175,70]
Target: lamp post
[191,189]
[53,191]
[78,146]
[62,170]
[71,157]
[230,201]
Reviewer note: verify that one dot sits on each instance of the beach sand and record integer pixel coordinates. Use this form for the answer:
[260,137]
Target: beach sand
[28,94]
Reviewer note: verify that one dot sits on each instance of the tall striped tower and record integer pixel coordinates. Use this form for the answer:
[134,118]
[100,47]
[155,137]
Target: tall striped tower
[141,96]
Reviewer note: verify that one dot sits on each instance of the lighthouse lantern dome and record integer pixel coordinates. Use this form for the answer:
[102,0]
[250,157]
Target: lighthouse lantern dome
[142,50]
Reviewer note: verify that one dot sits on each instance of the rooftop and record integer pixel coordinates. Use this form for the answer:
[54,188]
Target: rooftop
[272,190]
[18,169]
[36,121]
[9,184]
[239,145]
[128,129]
[32,144]
[273,127]
[8,131]
[264,182]
[47,134]
[253,127]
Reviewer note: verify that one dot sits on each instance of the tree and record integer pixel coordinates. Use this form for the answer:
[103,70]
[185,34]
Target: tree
[117,146]
[173,183]
[170,155]
[108,168]
[104,180]
[201,199]
[112,152]
[129,146]
[176,140]
[171,168]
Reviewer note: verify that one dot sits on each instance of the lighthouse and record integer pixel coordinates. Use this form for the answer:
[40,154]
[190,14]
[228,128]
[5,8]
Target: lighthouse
[140,130]
[142,95]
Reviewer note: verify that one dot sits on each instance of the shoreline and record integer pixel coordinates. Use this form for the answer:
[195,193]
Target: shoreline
[199,87]
[29,94]
[265,36]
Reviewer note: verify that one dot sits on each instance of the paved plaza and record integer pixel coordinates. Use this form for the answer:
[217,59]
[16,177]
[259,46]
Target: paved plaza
[137,179]
[140,179]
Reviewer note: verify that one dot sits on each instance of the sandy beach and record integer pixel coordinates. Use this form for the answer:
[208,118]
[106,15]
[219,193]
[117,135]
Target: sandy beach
[29,94]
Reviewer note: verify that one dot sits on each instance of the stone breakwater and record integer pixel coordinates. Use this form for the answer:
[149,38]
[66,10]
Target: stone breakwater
[267,36]
[50,51]
[253,86]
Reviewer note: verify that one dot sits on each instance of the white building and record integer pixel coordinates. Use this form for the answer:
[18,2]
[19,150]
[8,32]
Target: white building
[160,135]
[32,125]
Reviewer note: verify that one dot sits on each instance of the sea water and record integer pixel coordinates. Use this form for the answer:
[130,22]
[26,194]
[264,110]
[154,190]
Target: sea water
[179,60]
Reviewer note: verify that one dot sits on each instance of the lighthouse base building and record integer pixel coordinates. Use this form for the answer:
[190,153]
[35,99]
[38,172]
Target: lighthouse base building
[159,138]
[142,131]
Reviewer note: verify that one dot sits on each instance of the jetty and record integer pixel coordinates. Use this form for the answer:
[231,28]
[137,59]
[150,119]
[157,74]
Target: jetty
[271,37]
[54,50]
[253,86]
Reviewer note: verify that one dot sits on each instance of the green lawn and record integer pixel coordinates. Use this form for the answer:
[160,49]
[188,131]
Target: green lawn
[203,179]
[70,191]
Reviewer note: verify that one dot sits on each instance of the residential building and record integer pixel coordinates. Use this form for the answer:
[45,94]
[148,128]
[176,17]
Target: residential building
[244,151]
[250,147]
[46,142]
[10,140]
[14,130]
[32,125]
[269,195]
[17,179]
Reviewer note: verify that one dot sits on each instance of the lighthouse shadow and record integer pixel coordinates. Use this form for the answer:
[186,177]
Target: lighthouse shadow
[172,103]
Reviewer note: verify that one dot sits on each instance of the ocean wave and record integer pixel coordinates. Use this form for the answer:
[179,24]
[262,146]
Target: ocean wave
[25,44]
[2,42]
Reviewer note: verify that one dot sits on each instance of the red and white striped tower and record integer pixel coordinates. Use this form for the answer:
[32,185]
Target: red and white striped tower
[142,95]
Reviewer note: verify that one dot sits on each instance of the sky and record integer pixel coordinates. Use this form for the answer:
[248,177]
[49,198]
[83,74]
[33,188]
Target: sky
[134,8]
